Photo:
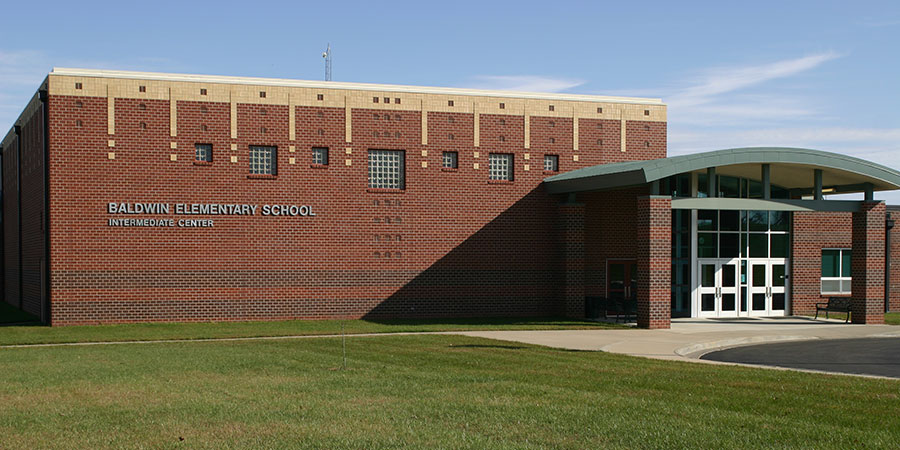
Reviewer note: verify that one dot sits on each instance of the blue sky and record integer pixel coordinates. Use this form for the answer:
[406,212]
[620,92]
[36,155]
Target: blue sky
[822,74]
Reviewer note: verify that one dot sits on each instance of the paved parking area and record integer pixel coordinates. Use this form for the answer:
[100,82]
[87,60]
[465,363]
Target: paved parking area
[691,339]
[868,356]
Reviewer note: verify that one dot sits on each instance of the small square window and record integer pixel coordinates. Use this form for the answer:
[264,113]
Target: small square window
[552,123]
[502,138]
[78,86]
[142,88]
[202,91]
[551,163]
[503,106]
[552,108]
[387,99]
[502,121]
[79,105]
[397,100]
[374,99]
[387,169]
[449,102]
[599,110]
[262,94]
[451,119]
[500,166]
[320,97]
[203,152]
[263,160]
[320,155]
[646,112]
[450,160]
[552,140]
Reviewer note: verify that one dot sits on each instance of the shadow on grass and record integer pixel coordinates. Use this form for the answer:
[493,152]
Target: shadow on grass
[556,322]
[12,316]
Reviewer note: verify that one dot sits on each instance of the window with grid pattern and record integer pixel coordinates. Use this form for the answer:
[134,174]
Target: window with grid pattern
[450,160]
[836,277]
[203,152]
[262,160]
[551,163]
[387,169]
[501,166]
[320,155]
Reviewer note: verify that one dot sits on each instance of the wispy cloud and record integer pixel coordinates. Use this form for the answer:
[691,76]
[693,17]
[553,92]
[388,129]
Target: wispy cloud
[873,23]
[21,72]
[723,80]
[527,83]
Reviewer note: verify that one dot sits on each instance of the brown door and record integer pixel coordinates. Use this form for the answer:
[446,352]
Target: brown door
[621,280]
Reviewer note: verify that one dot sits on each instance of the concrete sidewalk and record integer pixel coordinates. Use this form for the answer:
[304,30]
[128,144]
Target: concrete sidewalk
[688,339]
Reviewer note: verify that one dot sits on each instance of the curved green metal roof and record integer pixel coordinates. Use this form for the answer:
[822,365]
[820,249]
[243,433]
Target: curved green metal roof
[790,162]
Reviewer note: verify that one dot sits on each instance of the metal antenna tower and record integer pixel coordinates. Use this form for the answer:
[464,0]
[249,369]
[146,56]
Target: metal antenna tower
[327,55]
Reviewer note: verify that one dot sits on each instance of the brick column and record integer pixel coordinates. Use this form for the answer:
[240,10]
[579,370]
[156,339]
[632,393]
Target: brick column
[571,219]
[654,261]
[867,301]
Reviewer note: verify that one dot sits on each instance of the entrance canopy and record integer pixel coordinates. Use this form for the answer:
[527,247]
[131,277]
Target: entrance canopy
[802,172]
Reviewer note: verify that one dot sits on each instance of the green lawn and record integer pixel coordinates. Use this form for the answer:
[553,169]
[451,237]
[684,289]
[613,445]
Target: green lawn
[426,391]
[209,330]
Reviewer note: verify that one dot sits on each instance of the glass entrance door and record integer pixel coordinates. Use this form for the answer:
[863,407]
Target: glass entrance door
[768,294]
[719,295]
[621,281]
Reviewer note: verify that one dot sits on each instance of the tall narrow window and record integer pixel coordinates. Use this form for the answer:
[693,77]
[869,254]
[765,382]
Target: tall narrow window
[387,169]
[450,160]
[203,152]
[320,155]
[262,160]
[501,166]
[551,163]
[836,277]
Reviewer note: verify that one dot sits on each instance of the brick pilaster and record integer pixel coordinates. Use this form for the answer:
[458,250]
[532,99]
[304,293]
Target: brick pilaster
[654,261]
[867,262]
[571,217]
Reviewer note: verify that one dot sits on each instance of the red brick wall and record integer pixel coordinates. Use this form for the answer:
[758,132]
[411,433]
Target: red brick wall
[24,277]
[610,233]
[450,244]
[654,261]
[12,292]
[813,231]
[895,260]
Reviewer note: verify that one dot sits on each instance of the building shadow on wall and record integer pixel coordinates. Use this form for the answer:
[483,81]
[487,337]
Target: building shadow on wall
[508,268]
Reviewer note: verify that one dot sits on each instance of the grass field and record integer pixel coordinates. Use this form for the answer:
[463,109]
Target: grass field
[425,391]
[208,330]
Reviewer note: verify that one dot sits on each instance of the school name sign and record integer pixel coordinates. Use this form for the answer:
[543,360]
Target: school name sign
[195,209]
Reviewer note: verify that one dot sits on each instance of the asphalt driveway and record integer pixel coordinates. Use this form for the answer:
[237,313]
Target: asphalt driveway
[867,356]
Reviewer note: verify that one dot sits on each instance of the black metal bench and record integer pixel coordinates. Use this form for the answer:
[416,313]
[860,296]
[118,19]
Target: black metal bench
[834,304]
[596,307]
[623,307]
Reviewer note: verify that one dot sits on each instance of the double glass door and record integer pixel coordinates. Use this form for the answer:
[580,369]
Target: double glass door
[719,287]
[742,287]
[766,288]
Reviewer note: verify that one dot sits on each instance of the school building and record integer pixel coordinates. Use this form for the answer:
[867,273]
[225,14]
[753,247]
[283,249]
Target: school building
[138,197]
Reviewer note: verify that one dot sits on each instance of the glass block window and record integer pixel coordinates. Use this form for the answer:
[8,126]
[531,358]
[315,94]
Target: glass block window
[551,163]
[320,155]
[501,166]
[450,160]
[387,169]
[262,160]
[836,277]
[203,152]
